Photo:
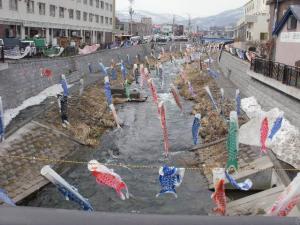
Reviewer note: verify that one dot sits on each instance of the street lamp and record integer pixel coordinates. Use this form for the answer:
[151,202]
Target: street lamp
[131,12]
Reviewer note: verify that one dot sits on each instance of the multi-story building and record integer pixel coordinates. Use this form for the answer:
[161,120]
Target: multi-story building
[253,26]
[143,28]
[93,20]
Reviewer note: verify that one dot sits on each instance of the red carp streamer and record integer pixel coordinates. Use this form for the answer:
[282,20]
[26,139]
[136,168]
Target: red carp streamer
[143,76]
[105,176]
[162,111]
[176,96]
[264,130]
[46,73]
[219,198]
[153,92]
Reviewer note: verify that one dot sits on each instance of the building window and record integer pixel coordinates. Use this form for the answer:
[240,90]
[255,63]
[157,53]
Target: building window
[84,16]
[61,12]
[78,15]
[71,13]
[97,3]
[30,6]
[52,10]
[102,19]
[85,2]
[264,36]
[42,8]
[292,23]
[102,4]
[13,5]
[106,20]
[110,21]
[91,2]
[97,18]
[91,17]
[110,7]
[106,6]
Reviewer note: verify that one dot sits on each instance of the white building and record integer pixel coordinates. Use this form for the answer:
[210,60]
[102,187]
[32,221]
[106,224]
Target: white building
[253,26]
[93,20]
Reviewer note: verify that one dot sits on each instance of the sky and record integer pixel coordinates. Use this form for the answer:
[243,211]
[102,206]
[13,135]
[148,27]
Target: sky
[196,8]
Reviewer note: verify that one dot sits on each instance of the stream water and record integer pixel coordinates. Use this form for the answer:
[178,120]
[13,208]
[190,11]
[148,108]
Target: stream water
[139,142]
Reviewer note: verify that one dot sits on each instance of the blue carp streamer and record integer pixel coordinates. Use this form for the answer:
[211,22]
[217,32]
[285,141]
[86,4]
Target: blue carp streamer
[107,91]
[211,97]
[170,178]
[276,127]
[214,74]
[103,69]
[5,198]
[64,85]
[245,186]
[196,128]
[238,102]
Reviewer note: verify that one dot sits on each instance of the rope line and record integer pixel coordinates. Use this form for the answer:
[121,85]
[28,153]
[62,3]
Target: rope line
[130,166]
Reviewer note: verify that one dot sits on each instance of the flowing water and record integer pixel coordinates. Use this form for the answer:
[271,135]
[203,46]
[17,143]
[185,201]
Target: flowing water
[139,142]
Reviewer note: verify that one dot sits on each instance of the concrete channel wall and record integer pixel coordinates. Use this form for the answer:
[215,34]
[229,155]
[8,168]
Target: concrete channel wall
[236,70]
[23,80]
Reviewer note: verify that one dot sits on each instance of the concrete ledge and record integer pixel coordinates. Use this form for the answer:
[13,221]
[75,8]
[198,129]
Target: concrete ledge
[292,91]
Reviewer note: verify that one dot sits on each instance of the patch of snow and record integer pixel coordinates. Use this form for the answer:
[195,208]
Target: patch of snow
[10,114]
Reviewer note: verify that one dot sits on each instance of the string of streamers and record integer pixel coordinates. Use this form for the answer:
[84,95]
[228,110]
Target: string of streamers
[170,178]
[162,111]
[219,198]
[107,177]
[5,198]
[176,96]
[2,125]
[211,97]
[287,200]
[232,143]
[195,128]
[35,159]
[276,127]
[264,130]
[107,90]
[69,192]
[244,186]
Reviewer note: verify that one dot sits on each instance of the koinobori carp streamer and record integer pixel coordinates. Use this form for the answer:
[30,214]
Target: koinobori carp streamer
[162,112]
[107,177]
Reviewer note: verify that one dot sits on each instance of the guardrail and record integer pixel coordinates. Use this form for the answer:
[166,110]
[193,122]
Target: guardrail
[39,216]
[288,75]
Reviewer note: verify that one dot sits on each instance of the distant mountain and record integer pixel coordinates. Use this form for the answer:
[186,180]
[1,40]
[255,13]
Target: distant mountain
[160,18]
[226,18]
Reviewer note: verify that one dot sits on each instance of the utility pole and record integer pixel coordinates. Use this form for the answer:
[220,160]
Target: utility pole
[173,26]
[190,22]
[131,12]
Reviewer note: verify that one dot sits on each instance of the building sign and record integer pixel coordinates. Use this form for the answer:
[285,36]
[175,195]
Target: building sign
[290,37]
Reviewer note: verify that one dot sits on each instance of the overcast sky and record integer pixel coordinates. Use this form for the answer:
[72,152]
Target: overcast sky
[196,8]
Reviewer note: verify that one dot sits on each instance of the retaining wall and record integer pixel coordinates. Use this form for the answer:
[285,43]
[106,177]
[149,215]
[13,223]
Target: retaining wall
[23,80]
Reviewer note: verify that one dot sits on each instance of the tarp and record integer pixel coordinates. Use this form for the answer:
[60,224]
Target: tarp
[88,49]
[16,54]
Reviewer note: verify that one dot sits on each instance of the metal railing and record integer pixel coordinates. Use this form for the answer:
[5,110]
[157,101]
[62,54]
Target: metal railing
[39,216]
[288,75]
